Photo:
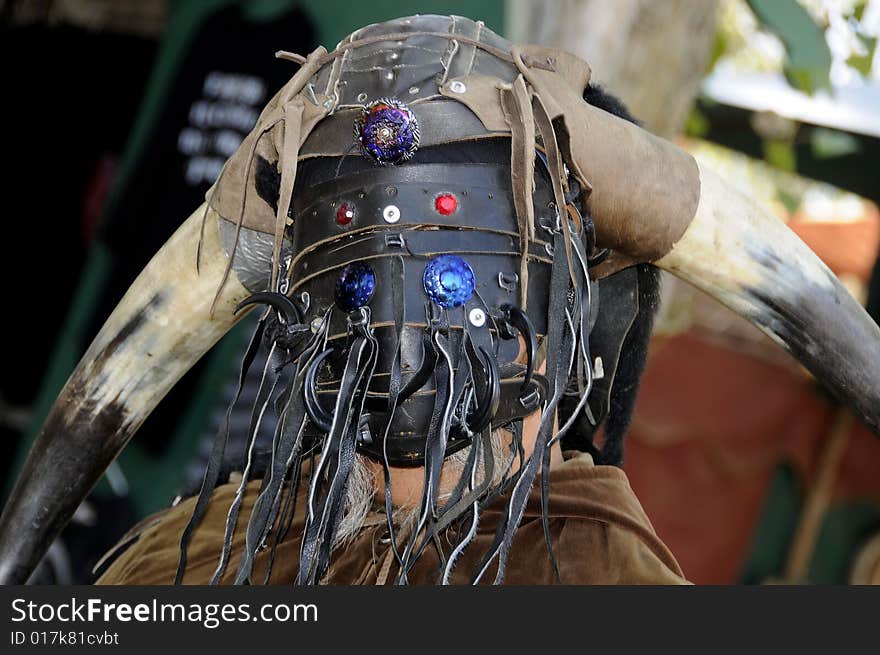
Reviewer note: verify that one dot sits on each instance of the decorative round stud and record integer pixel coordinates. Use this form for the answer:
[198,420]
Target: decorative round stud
[387,131]
[391,214]
[345,213]
[355,286]
[449,281]
[477,317]
[316,324]
[457,86]
[445,204]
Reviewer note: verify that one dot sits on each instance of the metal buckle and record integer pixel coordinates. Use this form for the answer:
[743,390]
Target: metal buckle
[394,240]
[359,317]
[508,281]
[531,400]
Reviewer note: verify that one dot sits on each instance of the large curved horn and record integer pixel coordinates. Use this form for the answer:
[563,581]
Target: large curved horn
[652,202]
[749,260]
[160,328]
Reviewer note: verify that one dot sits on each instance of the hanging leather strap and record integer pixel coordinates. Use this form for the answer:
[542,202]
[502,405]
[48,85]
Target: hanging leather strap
[517,104]
[293,114]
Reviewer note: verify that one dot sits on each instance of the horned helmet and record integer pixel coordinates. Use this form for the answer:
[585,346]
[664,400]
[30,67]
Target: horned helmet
[430,214]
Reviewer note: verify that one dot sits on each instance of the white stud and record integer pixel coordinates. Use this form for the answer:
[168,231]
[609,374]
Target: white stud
[457,86]
[598,369]
[477,317]
[391,214]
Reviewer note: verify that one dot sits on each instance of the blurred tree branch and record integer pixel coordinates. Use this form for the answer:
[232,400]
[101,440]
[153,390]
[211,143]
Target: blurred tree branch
[651,54]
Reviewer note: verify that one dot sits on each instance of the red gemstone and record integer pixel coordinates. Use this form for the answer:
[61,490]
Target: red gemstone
[344,213]
[445,204]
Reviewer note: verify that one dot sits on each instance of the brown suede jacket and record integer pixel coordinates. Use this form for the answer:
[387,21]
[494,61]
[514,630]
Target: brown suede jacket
[600,535]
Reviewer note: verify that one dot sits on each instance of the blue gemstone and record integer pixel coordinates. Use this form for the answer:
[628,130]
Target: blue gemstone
[355,286]
[449,281]
[387,131]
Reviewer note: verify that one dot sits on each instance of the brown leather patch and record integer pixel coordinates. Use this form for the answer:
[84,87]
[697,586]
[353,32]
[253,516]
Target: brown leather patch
[645,189]
[234,195]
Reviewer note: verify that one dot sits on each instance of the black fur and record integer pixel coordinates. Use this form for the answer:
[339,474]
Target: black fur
[633,358]
[267,182]
[634,354]
[596,95]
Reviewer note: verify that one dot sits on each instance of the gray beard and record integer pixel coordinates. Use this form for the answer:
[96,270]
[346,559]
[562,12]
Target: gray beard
[364,482]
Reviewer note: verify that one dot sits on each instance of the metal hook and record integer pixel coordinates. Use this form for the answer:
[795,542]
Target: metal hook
[416,382]
[320,417]
[514,316]
[278,301]
[426,369]
[306,301]
[487,405]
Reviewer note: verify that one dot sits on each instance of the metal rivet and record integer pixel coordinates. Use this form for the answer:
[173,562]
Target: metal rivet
[388,75]
[362,97]
[391,190]
[477,317]
[316,324]
[413,90]
[457,86]
[391,214]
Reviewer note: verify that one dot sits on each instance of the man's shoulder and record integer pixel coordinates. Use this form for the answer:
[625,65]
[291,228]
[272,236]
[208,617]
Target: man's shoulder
[603,532]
